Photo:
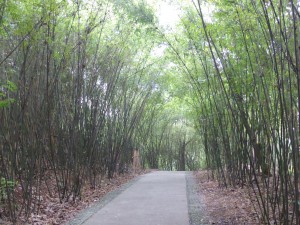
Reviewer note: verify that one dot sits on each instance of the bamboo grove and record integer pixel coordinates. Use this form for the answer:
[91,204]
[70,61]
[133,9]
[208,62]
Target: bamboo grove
[243,65]
[82,86]
[80,89]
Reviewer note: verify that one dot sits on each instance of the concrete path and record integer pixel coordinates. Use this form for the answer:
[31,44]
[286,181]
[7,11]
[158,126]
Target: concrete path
[157,198]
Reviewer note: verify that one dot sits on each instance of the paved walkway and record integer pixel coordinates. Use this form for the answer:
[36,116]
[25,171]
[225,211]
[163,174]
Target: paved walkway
[157,198]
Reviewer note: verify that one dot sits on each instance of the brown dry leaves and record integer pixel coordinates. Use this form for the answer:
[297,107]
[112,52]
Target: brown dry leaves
[226,206]
[49,210]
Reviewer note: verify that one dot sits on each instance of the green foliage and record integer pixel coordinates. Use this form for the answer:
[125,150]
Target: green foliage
[137,11]
[242,66]
[5,187]
[5,90]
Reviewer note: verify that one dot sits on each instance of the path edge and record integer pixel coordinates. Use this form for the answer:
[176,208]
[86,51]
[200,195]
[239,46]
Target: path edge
[86,213]
[195,200]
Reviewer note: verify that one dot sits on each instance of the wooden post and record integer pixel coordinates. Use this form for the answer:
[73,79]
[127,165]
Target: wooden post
[136,164]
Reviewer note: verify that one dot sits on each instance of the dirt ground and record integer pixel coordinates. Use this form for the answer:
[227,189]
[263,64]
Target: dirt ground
[226,206]
[51,211]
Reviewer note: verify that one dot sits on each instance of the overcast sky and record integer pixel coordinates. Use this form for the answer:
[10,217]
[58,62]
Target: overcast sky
[169,14]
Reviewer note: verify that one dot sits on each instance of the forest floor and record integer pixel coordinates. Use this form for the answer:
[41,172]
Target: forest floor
[231,205]
[51,211]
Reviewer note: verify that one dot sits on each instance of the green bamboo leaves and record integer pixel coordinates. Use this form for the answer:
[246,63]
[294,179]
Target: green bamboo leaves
[244,68]
[6,90]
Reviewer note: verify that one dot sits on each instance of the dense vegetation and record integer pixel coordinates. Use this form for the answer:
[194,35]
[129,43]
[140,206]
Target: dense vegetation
[244,67]
[81,87]
[83,84]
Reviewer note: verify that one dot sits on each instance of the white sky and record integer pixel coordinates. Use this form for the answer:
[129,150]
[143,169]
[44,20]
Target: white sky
[168,15]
